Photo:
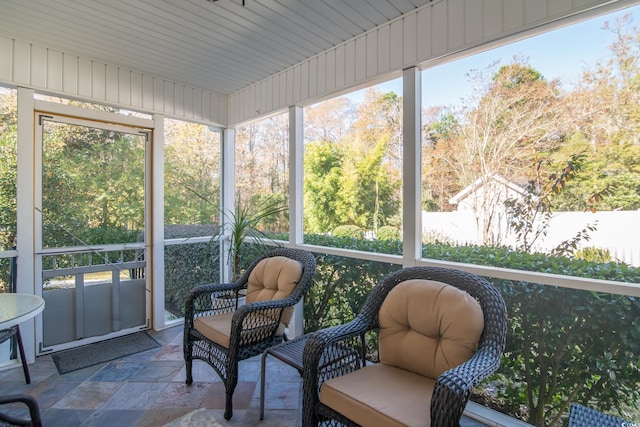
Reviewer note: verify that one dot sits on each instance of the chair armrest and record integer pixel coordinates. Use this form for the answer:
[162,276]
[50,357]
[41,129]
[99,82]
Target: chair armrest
[453,387]
[257,321]
[201,300]
[32,405]
[329,353]
[581,416]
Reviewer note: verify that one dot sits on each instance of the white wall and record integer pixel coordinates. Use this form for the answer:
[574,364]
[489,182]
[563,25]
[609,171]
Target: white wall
[430,33]
[59,73]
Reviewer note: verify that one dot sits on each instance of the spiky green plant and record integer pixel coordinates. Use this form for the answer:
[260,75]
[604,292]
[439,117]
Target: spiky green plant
[242,226]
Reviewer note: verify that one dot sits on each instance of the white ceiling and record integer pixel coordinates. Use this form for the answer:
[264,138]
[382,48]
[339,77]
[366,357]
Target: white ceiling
[220,46]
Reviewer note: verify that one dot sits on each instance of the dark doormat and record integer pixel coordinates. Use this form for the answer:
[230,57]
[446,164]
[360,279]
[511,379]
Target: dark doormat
[81,357]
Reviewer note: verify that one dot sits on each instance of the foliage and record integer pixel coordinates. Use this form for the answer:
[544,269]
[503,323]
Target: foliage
[514,115]
[566,359]
[262,158]
[593,254]
[342,284]
[8,169]
[186,266]
[192,173]
[388,233]
[556,353]
[323,168]
[352,176]
[106,235]
[530,214]
[106,192]
[352,231]
[7,274]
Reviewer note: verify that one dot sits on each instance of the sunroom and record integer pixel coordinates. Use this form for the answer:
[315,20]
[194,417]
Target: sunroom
[497,137]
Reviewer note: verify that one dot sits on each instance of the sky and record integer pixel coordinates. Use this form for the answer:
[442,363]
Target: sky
[563,53]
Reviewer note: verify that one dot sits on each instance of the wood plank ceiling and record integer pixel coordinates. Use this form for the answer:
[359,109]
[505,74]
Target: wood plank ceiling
[220,46]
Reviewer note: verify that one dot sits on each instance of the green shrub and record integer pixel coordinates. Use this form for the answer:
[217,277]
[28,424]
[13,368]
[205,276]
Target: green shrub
[186,266]
[352,231]
[388,232]
[342,284]
[5,274]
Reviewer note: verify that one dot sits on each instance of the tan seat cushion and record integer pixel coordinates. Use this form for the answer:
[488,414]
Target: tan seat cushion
[381,395]
[217,328]
[274,278]
[428,327]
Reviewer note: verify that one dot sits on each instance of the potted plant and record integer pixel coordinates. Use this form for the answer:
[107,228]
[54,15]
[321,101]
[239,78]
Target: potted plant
[242,239]
[241,234]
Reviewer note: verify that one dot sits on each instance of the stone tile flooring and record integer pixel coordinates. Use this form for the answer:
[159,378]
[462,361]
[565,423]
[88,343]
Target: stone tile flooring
[148,389]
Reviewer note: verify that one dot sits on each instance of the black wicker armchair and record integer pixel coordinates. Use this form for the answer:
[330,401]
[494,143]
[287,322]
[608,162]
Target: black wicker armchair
[581,416]
[21,410]
[219,332]
[435,343]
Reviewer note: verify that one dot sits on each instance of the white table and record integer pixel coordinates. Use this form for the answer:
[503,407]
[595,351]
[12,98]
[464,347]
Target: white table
[16,308]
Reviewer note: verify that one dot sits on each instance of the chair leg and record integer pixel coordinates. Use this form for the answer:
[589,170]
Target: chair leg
[23,359]
[262,374]
[228,412]
[230,383]
[188,367]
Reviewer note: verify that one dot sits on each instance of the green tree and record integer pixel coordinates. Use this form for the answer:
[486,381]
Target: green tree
[356,180]
[8,168]
[192,174]
[323,168]
[369,197]
[93,185]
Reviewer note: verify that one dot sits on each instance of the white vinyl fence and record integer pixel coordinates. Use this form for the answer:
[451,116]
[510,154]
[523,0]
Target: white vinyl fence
[618,231]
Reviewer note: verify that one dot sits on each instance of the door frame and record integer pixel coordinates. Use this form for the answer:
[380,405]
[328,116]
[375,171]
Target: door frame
[104,120]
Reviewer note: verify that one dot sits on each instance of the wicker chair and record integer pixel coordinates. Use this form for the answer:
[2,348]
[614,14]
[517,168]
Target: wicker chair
[14,418]
[581,416]
[14,331]
[219,332]
[338,386]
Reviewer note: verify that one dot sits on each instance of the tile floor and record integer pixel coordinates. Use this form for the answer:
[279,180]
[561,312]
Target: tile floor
[148,389]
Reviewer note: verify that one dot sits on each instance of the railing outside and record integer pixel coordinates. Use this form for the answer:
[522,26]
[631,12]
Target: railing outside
[8,280]
[107,282]
[8,271]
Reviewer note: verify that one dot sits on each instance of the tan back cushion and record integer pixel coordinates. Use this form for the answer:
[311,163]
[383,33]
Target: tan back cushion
[274,278]
[428,327]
